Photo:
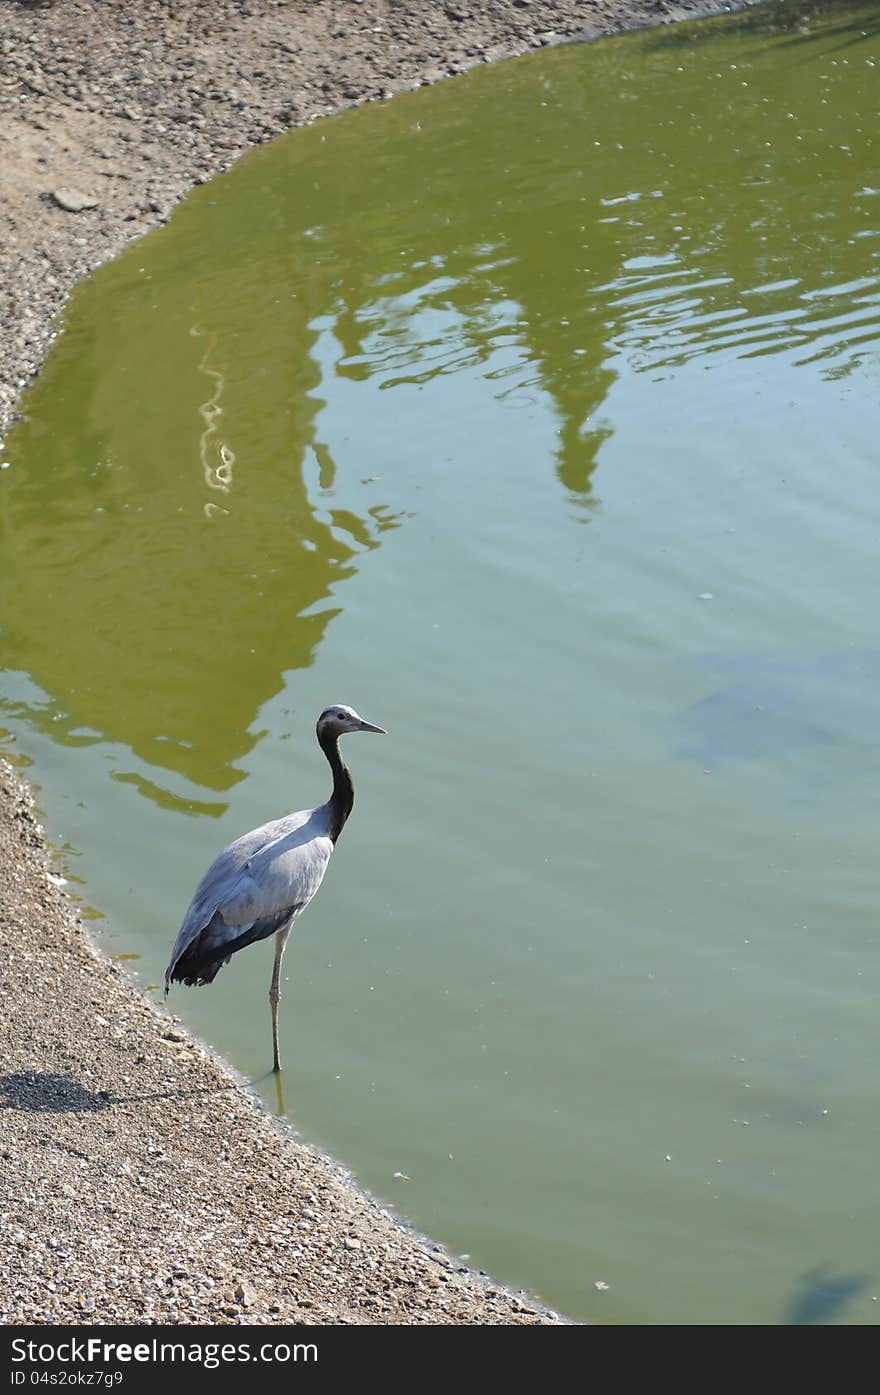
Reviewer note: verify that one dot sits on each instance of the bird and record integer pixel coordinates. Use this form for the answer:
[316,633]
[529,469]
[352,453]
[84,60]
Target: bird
[263,881]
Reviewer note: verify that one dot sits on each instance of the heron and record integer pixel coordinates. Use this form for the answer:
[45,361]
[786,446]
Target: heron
[261,883]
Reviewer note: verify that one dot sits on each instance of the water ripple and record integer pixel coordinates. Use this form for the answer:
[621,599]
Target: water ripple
[664,320]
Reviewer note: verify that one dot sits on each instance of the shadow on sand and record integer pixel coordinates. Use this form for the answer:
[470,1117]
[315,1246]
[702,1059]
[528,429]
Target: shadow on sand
[38,1092]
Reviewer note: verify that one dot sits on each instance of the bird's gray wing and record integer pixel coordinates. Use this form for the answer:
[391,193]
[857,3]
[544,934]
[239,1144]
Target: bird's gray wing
[257,884]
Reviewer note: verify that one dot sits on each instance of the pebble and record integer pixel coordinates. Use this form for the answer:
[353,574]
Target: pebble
[72,201]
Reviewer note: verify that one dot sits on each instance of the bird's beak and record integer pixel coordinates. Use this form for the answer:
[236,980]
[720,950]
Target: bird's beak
[368,726]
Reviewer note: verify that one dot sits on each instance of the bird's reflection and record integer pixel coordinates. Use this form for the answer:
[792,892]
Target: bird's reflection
[261,1083]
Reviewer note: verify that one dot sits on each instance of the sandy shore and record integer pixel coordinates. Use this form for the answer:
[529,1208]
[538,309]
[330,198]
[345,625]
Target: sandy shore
[140,1182]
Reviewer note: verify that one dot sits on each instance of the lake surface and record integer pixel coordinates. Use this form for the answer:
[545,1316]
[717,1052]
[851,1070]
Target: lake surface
[536,416]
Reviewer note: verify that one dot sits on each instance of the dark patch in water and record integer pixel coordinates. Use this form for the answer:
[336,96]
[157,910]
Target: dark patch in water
[774,709]
[821,1297]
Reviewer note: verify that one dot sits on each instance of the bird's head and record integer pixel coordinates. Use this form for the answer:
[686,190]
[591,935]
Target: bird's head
[337,720]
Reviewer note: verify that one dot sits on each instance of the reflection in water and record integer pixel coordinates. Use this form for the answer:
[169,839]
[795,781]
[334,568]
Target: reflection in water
[167,799]
[577,231]
[261,1087]
[218,474]
[792,24]
[159,622]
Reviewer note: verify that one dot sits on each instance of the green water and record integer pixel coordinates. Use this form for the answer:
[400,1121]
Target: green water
[536,416]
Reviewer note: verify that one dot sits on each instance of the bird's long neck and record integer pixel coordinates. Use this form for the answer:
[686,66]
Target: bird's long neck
[342,799]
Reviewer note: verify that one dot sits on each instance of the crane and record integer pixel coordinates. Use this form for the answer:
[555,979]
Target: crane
[261,883]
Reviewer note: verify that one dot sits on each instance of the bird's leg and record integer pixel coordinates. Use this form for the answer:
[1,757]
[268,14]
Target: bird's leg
[275,995]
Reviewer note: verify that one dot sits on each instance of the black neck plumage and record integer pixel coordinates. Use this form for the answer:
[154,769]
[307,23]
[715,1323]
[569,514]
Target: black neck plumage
[342,798]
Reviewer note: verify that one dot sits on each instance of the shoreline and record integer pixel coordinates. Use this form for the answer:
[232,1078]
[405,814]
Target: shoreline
[143,1182]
